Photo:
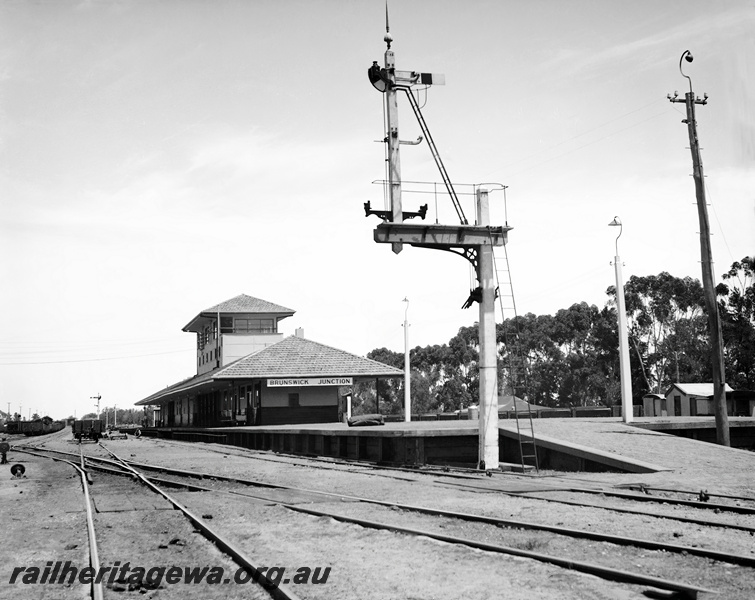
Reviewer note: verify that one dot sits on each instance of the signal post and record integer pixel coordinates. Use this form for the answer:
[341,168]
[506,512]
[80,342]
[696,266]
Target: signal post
[474,242]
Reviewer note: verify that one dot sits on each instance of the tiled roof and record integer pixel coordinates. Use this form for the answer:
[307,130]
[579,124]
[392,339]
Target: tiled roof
[247,304]
[241,304]
[298,357]
[291,357]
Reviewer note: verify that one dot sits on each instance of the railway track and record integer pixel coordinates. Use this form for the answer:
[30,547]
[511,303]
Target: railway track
[486,532]
[262,491]
[114,587]
[563,489]
[646,493]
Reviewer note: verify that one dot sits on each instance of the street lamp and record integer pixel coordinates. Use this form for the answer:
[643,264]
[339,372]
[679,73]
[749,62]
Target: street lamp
[624,370]
[407,372]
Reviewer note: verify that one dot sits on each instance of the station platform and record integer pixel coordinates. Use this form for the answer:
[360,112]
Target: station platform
[568,444]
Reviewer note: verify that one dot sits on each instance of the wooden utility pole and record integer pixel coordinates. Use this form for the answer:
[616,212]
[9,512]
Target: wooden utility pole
[706,258]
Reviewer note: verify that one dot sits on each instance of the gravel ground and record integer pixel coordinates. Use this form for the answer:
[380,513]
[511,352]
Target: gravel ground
[366,563]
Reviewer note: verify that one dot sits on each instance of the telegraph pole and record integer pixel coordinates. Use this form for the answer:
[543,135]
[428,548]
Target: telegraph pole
[709,288]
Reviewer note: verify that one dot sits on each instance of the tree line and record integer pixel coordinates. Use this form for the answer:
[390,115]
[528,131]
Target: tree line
[571,358]
[122,416]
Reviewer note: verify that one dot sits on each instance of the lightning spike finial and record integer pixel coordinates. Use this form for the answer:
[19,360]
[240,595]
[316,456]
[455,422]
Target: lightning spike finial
[387,38]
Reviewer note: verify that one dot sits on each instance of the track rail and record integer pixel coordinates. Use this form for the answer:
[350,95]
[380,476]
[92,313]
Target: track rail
[129,468]
[742,510]
[473,474]
[465,516]
[689,591]
[95,592]
[278,592]
[512,523]
[607,573]
[626,510]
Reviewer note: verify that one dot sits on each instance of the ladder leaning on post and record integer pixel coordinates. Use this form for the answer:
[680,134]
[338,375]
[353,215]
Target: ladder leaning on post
[517,370]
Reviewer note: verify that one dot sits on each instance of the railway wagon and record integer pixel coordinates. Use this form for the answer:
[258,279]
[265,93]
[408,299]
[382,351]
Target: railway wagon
[40,426]
[88,429]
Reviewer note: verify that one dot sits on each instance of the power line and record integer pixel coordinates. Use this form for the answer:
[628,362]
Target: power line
[720,227]
[605,137]
[85,360]
[579,135]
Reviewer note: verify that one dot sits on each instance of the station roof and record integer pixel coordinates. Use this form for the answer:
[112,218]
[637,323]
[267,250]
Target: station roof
[508,402]
[696,389]
[292,357]
[242,305]
[298,357]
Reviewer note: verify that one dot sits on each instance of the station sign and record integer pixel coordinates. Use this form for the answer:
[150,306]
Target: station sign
[310,381]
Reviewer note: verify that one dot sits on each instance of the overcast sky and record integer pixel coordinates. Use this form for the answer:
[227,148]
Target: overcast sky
[159,157]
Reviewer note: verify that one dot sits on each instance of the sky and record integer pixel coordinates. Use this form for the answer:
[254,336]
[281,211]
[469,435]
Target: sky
[159,157]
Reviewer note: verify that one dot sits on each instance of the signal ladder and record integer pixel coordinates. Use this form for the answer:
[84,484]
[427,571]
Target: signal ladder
[516,366]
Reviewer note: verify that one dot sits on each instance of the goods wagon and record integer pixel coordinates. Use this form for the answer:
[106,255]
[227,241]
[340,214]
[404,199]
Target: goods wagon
[88,429]
[40,426]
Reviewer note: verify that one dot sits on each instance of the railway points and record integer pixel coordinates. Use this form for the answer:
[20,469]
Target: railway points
[359,518]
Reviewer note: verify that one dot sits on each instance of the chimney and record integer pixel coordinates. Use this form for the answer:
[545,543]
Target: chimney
[299,332]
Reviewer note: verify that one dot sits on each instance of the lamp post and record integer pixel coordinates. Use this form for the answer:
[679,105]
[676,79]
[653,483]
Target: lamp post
[624,370]
[407,372]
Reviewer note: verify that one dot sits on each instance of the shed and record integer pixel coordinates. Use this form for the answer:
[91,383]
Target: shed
[654,405]
[693,399]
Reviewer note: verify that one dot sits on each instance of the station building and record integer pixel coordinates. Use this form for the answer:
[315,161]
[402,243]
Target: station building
[248,373]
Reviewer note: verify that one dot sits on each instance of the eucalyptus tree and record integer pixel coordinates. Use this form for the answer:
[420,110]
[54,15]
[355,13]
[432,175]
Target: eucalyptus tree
[587,339]
[532,364]
[737,306]
[659,308]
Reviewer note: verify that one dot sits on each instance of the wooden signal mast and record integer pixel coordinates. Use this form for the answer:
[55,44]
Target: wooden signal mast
[474,242]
